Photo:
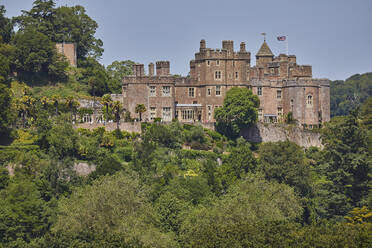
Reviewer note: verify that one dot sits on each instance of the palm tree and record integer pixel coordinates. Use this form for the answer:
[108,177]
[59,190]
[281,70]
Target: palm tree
[117,109]
[107,101]
[24,106]
[73,106]
[140,108]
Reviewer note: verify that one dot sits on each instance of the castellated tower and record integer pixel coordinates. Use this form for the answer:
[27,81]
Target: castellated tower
[281,84]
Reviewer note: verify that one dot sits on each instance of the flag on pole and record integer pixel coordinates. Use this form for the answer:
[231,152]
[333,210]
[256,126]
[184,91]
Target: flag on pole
[281,38]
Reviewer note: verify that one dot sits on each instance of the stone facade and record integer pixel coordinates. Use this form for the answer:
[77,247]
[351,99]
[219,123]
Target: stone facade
[69,50]
[282,85]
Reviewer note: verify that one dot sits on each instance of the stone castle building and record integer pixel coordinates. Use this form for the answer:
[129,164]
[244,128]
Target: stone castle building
[281,84]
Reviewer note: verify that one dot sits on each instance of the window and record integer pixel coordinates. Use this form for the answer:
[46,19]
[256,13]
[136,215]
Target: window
[166,91]
[191,92]
[259,91]
[187,114]
[236,75]
[167,115]
[209,91]
[195,102]
[152,91]
[309,101]
[278,94]
[280,112]
[260,114]
[152,113]
[209,109]
[272,70]
[218,90]
[208,62]
[217,62]
[198,76]
[217,75]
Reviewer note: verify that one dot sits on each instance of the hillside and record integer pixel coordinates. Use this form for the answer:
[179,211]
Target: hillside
[347,95]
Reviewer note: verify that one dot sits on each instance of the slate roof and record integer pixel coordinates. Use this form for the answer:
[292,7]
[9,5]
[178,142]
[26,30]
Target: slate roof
[264,50]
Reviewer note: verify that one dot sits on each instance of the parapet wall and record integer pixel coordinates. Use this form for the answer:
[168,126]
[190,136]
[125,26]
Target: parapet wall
[133,127]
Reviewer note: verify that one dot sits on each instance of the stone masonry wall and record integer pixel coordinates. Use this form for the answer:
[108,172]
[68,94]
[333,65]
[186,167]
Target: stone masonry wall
[274,133]
[125,126]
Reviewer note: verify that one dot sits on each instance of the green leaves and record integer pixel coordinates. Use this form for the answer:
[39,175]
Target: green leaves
[239,110]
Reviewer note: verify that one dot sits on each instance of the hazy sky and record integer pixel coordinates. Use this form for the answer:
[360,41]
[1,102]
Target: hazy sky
[334,36]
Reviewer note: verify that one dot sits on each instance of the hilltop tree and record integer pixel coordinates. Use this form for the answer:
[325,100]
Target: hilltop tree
[117,109]
[116,71]
[63,24]
[6,26]
[239,110]
[140,108]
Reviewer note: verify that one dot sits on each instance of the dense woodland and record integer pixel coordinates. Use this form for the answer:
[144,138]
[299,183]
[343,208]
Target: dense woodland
[173,185]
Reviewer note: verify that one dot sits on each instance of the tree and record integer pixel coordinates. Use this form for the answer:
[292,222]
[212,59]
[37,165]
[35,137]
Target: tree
[140,108]
[239,110]
[63,24]
[6,26]
[347,165]
[37,57]
[285,162]
[73,106]
[117,204]
[107,102]
[23,214]
[117,109]
[5,108]
[245,217]
[366,113]
[116,71]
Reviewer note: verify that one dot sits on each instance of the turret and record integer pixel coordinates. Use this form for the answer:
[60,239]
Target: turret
[138,70]
[202,45]
[162,68]
[264,55]
[242,47]
[228,45]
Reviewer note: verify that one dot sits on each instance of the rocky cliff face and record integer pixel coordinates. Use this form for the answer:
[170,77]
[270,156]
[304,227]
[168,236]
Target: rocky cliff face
[275,132]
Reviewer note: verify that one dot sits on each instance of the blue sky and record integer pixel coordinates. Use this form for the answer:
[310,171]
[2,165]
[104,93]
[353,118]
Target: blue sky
[334,36]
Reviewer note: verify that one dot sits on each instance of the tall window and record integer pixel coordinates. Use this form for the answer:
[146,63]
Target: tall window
[167,115]
[208,62]
[218,90]
[152,113]
[259,91]
[209,91]
[217,62]
[191,92]
[278,94]
[217,75]
[309,101]
[187,114]
[152,91]
[166,91]
[209,109]
[236,75]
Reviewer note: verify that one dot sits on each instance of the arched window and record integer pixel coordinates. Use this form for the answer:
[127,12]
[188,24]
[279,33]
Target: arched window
[309,101]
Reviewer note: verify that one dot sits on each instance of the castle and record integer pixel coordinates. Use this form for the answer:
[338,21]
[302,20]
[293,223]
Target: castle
[281,84]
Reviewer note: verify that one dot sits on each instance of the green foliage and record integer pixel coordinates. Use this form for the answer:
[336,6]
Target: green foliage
[117,205]
[5,108]
[347,165]
[140,108]
[37,58]
[239,110]
[6,26]
[348,95]
[241,218]
[285,162]
[366,113]
[116,71]
[23,214]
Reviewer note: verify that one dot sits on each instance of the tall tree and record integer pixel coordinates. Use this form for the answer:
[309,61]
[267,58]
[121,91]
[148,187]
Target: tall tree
[107,102]
[6,26]
[239,110]
[117,109]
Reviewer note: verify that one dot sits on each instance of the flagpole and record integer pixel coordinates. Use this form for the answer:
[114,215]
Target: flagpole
[286,40]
